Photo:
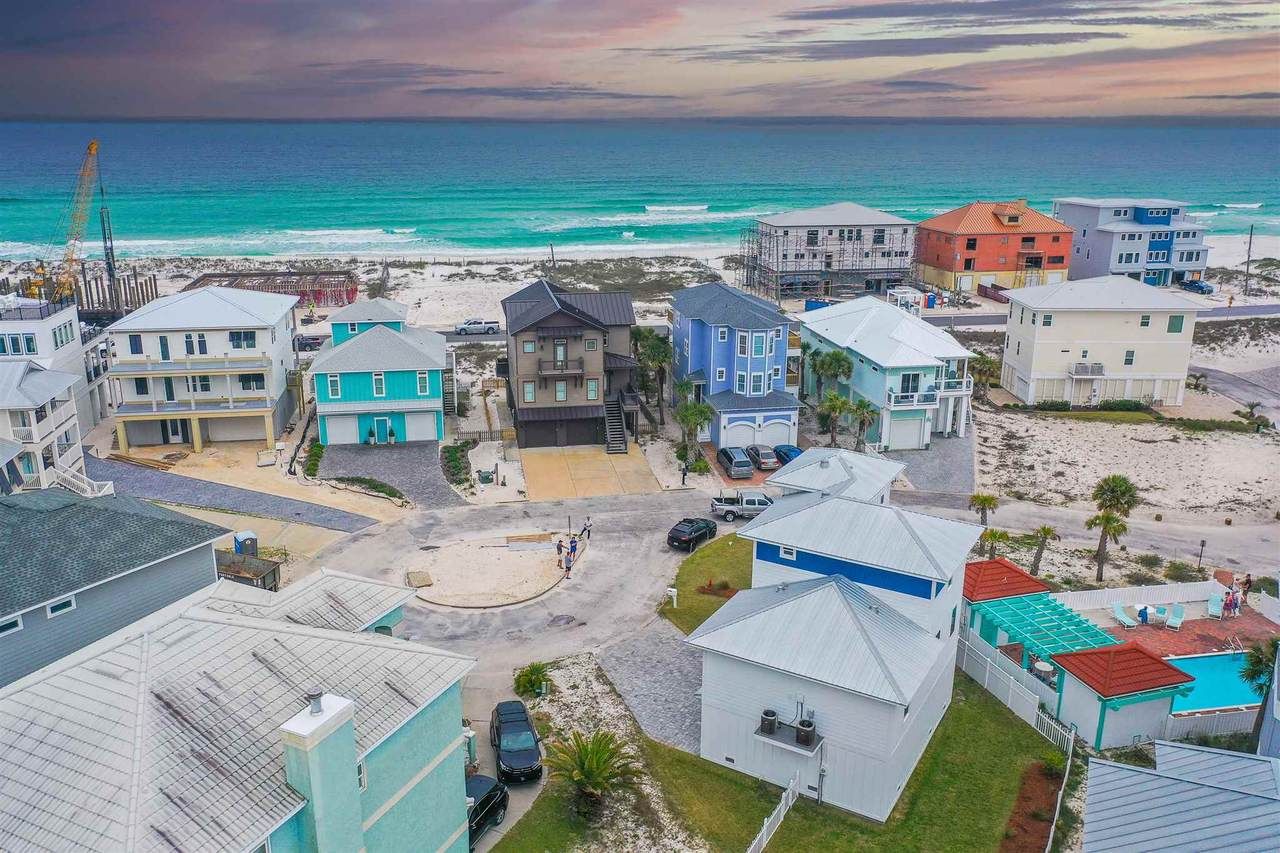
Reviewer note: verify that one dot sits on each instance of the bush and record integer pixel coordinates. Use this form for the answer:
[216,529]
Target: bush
[373,485]
[1268,585]
[531,678]
[700,466]
[1180,572]
[824,422]
[1203,425]
[682,451]
[1149,561]
[1053,406]
[315,452]
[1053,764]
[464,402]
[455,463]
[1122,406]
[1141,578]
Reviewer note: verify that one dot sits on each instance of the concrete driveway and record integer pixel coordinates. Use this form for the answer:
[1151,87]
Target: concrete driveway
[552,473]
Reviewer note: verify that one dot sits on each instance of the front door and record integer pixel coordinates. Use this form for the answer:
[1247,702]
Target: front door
[164,347]
[560,352]
[168,389]
[562,434]
[175,431]
[381,430]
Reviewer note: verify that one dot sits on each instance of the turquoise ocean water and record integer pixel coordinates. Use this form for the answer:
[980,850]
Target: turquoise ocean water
[424,188]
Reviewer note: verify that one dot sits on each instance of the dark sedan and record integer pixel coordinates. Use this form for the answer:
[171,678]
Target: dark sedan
[489,799]
[689,532]
[786,452]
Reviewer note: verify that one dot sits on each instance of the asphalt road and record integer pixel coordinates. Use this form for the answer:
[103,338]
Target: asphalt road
[1243,390]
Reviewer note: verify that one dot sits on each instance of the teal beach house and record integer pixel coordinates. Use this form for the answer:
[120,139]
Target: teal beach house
[380,380]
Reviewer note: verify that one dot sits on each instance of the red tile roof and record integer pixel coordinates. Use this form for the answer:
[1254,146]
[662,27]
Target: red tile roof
[985,580]
[983,217]
[1120,670]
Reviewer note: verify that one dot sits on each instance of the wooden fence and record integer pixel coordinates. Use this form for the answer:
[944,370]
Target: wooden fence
[774,820]
[485,435]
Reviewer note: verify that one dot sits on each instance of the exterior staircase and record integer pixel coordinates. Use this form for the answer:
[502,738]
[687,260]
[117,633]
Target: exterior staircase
[615,427]
[449,388]
[74,481]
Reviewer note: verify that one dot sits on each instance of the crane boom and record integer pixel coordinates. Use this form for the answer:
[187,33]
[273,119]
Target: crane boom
[77,215]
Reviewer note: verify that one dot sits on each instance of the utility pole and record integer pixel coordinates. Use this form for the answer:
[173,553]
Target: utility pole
[1248,263]
[553,255]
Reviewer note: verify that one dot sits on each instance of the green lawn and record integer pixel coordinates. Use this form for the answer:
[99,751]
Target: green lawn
[550,825]
[1106,417]
[958,799]
[725,558]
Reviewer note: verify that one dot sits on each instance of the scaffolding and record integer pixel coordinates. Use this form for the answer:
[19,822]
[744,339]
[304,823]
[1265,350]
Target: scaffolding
[823,260]
[321,288]
[98,299]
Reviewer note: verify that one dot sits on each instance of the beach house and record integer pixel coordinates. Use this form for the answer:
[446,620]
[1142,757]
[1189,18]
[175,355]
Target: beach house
[569,367]
[116,560]
[824,682]
[1152,240]
[995,244]
[838,249]
[379,380]
[216,724]
[211,364]
[913,373]
[732,346]
[1096,339]
[837,471]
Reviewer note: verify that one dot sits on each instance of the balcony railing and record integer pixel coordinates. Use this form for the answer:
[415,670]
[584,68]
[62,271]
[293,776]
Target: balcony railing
[26,435]
[207,405]
[793,340]
[562,367]
[912,400]
[793,380]
[36,312]
[74,481]
[960,385]
[189,364]
[1087,368]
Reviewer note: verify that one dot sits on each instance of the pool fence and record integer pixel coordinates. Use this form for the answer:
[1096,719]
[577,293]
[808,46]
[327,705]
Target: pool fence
[1178,727]
[1018,689]
[1267,605]
[1165,593]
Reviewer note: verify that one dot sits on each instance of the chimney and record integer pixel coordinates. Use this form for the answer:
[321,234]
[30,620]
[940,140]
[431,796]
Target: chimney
[1022,202]
[320,764]
[314,698]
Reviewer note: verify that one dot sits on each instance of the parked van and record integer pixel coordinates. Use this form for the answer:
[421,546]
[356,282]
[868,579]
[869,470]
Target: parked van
[735,462]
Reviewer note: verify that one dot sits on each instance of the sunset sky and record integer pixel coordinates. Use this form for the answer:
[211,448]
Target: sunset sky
[615,58]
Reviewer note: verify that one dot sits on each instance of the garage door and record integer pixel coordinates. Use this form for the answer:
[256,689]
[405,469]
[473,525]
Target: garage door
[775,433]
[738,435]
[421,426]
[905,434]
[341,429]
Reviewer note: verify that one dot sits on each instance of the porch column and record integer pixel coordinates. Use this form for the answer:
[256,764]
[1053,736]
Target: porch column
[197,443]
[964,416]
[231,397]
[122,436]
[270,429]
[948,414]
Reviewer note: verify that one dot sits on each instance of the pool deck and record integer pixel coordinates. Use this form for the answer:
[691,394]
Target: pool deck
[1199,634]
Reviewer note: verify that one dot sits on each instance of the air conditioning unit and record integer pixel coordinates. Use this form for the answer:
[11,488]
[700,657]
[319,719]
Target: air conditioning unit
[768,722]
[806,733]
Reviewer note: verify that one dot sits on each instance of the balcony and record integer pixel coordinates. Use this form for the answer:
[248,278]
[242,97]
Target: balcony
[793,380]
[38,311]
[959,385]
[562,367]
[199,406]
[198,364]
[57,414]
[1086,368]
[25,435]
[912,400]
[793,343]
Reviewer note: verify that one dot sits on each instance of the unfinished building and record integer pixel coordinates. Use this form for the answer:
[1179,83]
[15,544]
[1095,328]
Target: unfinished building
[319,289]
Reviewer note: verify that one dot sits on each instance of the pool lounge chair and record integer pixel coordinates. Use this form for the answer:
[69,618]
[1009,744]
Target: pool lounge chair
[1117,610]
[1161,614]
[1215,606]
[1174,621]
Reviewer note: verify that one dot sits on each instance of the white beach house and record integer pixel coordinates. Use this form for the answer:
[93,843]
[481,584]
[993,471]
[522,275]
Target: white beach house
[837,471]
[822,681]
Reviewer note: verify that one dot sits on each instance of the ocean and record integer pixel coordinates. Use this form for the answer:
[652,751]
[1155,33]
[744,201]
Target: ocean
[509,188]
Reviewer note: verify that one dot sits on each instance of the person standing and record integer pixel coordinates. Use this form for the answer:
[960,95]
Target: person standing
[1246,586]
[573,547]
[559,547]
[684,472]
[586,529]
[568,566]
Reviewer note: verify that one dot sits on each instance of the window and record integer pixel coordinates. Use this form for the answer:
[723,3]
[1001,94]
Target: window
[1120,211]
[740,383]
[811,237]
[243,340]
[253,381]
[757,345]
[379,385]
[1057,238]
[686,346]
[971,244]
[877,237]
[593,389]
[4,346]
[719,374]
[722,334]
[528,392]
[590,344]
[772,338]
[1028,242]
[189,343]
[10,625]
[1157,256]
[953,620]
[202,346]
[968,264]
[1175,324]
[529,347]
[30,341]
[57,608]
[424,382]
[777,371]
[362,776]
[335,386]
[140,386]
[742,344]
[786,552]
[562,391]
[1084,353]
[135,344]
[1128,358]
[1033,318]
[1056,259]
[1144,320]
[1017,350]
[198,383]
[1046,320]
[1022,316]
[352,328]
[757,384]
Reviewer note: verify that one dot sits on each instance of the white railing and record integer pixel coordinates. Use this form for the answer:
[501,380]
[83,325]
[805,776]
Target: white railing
[74,481]
[983,664]
[1168,593]
[1046,693]
[1219,723]
[1267,605]
[26,435]
[896,400]
[962,384]
[1062,790]
[774,820]
[1061,736]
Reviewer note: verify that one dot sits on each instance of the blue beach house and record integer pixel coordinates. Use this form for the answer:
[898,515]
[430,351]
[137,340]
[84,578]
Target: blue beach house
[733,347]
[380,380]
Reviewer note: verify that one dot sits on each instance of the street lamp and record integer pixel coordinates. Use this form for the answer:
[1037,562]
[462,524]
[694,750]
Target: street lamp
[1200,559]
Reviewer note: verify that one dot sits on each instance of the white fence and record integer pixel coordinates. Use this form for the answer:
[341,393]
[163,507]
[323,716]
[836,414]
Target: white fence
[1021,691]
[1168,593]
[1267,606]
[1220,723]
[774,820]
[1062,789]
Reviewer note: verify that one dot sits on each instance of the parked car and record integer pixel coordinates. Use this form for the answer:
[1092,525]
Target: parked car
[688,532]
[732,503]
[307,343]
[476,326]
[786,452]
[762,457]
[489,800]
[515,743]
[308,319]
[735,462]
[1201,287]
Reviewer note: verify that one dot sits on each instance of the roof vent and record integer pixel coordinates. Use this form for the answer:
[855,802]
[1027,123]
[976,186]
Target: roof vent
[782,587]
[824,463]
[314,700]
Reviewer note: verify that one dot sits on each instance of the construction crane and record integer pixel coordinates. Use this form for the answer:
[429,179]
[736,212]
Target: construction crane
[61,284]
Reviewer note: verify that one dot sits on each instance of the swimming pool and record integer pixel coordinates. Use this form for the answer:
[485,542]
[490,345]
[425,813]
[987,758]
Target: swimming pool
[1217,682]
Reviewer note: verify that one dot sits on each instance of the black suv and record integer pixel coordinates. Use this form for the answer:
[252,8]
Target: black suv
[688,532]
[515,743]
[488,805]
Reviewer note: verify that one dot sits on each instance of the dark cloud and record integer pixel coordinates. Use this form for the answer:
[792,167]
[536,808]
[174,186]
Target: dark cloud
[940,13]
[360,77]
[1243,96]
[556,92]
[908,85]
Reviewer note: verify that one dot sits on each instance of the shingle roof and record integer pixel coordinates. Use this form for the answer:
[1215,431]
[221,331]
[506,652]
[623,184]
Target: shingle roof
[1101,293]
[541,299]
[838,472]
[720,304]
[828,629]
[165,736]
[728,401]
[208,308]
[322,599]
[883,333]
[986,580]
[376,310]
[983,217]
[27,385]
[1170,809]
[1122,669]
[871,534]
[96,539]
[382,348]
[840,213]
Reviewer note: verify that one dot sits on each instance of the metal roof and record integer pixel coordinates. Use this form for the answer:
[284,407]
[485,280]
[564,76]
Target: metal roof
[840,213]
[828,629]
[322,599]
[1121,202]
[1168,809]
[541,299]
[1102,293]
[376,310]
[1042,624]
[985,580]
[9,450]
[208,308]
[97,539]
[871,534]
[720,304]
[165,735]
[382,348]
[883,333]
[838,472]
[728,401]
[1256,774]
[27,385]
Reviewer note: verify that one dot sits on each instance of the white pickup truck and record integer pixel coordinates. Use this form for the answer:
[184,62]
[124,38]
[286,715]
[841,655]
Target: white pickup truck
[475,326]
[733,503]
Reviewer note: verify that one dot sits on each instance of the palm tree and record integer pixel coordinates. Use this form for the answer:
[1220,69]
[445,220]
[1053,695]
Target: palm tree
[984,370]
[1259,667]
[994,537]
[639,334]
[1044,534]
[1116,493]
[596,766]
[983,504]
[814,356]
[835,365]
[655,355]
[692,417]
[1111,527]
[834,407]
[863,415]
[806,349]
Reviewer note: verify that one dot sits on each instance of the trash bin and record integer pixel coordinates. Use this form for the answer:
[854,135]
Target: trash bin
[485,476]
[931,300]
